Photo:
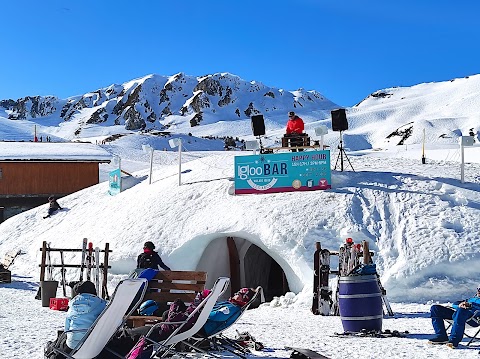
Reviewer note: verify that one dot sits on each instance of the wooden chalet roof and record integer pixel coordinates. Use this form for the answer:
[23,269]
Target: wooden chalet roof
[53,151]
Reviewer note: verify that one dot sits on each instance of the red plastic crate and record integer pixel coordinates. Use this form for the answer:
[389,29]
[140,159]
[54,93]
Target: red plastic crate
[59,303]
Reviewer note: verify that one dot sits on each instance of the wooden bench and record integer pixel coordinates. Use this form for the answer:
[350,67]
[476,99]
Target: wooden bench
[168,286]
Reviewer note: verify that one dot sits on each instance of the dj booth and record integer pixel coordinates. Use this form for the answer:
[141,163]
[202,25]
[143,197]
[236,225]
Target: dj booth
[296,140]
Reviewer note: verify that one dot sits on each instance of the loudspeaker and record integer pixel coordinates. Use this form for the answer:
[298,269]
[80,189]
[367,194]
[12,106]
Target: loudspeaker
[258,125]
[339,120]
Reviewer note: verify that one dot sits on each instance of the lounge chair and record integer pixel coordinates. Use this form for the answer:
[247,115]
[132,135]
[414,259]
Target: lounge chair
[127,297]
[472,327]
[178,335]
[219,341]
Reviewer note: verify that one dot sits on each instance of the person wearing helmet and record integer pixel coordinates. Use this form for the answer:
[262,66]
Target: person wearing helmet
[53,206]
[150,259]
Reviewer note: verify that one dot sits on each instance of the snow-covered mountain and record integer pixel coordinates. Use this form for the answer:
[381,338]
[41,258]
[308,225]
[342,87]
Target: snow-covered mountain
[165,103]
[400,115]
[221,105]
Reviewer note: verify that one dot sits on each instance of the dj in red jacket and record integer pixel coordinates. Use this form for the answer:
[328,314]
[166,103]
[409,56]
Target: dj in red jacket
[295,124]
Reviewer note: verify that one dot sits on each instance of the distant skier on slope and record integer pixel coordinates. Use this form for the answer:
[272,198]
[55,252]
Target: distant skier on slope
[53,206]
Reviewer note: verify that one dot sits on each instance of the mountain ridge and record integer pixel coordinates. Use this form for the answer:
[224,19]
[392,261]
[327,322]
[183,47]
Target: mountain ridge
[147,102]
[220,105]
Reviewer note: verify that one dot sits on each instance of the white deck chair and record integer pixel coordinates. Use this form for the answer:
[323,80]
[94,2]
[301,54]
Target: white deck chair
[205,307]
[120,307]
[473,324]
[220,341]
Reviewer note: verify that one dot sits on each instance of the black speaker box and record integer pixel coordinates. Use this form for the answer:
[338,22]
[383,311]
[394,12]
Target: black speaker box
[339,120]
[258,125]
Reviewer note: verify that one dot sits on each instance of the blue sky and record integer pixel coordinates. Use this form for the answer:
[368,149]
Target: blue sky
[344,49]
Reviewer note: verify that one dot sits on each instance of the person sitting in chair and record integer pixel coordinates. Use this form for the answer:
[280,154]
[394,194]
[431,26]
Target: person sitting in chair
[224,313]
[82,312]
[461,312]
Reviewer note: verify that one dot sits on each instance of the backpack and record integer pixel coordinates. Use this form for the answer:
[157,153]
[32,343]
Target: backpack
[141,350]
[146,261]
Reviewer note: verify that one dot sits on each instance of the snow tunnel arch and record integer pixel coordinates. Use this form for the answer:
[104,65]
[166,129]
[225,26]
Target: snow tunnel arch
[246,264]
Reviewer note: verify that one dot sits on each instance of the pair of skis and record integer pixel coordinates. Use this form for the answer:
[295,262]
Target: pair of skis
[322,295]
[348,260]
[90,261]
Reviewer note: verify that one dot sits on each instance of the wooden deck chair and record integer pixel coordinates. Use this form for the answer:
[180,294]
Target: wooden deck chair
[219,341]
[178,336]
[472,327]
[127,297]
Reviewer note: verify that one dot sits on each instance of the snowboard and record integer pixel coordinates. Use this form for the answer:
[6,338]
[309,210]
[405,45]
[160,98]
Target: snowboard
[316,280]
[301,353]
[325,297]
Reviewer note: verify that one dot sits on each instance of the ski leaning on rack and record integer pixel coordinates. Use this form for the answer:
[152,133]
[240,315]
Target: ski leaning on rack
[325,302]
[89,260]
[84,257]
[316,279]
[49,264]
[62,262]
[97,269]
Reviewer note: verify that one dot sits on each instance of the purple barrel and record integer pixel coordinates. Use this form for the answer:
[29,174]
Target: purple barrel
[360,303]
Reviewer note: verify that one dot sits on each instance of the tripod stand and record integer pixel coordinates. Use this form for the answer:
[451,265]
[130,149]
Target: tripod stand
[341,153]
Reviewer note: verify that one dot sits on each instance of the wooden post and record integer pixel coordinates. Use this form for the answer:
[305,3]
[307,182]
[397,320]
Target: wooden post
[105,272]
[366,253]
[234,260]
[42,265]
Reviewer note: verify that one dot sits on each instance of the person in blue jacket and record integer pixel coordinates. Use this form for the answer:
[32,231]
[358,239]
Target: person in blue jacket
[224,313]
[460,313]
[82,312]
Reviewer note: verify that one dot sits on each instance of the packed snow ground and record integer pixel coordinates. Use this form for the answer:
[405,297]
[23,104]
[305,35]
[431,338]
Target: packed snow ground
[420,220]
[26,326]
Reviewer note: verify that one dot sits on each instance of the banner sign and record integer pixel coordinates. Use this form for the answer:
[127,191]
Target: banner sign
[115,182]
[283,172]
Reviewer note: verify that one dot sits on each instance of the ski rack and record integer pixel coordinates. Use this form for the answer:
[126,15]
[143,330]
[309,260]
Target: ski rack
[103,266]
[367,257]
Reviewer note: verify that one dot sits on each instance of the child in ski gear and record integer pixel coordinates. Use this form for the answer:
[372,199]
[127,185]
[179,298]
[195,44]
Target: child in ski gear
[149,258]
[53,206]
[461,312]
[82,312]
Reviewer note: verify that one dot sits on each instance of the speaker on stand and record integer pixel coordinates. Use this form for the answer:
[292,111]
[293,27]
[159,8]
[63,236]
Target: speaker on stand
[258,128]
[340,123]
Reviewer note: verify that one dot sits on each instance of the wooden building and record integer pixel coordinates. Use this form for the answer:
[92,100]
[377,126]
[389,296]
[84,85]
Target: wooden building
[30,172]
